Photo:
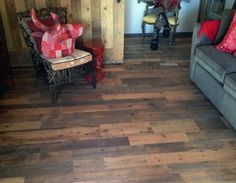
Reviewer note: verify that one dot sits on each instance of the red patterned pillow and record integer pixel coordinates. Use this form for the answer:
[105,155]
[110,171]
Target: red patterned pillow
[34,29]
[228,44]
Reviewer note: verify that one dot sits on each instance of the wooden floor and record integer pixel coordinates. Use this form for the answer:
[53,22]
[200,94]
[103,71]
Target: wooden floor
[145,123]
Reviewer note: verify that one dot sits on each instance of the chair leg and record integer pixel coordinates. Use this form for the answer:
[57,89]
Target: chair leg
[94,78]
[35,82]
[53,94]
[172,35]
[143,29]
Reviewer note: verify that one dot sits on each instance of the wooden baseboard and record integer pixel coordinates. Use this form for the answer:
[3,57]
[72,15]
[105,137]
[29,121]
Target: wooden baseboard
[178,34]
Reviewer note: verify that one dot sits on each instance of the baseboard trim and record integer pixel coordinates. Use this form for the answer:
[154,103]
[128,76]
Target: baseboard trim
[178,34]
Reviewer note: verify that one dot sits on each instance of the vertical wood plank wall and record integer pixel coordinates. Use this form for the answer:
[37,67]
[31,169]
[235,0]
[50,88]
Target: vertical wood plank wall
[102,19]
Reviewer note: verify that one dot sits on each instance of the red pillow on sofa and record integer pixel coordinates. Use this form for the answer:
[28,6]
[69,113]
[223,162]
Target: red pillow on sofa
[228,44]
[210,29]
[48,22]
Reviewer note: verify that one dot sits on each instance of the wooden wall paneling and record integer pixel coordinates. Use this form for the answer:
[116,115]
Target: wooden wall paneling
[96,19]
[108,56]
[53,3]
[29,4]
[118,32]
[76,11]
[107,29]
[40,4]
[21,6]
[19,56]
[7,26]
[67,3]
[11,12]
[107,23]
[87,20]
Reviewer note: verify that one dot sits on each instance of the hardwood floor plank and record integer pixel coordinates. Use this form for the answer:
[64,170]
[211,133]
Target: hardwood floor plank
[124,129]
[173,126]
[47,136]
[38,169]
[167,158]
[129,150]
[157,138]
[20,126]
[12,180]
[131,96]
[191,157]
[76,144]
[52,178]
[141,173]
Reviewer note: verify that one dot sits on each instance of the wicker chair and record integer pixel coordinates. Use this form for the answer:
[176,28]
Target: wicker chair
[52,73]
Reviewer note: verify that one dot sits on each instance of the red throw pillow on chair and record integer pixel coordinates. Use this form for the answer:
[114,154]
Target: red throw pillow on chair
[57,40]
[34,30]
[228,44]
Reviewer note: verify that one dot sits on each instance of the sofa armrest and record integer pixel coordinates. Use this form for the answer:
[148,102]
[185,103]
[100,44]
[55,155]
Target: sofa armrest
[198,41]
[196,28]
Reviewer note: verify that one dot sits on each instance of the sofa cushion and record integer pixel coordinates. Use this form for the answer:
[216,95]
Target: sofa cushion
[78,57]
[216,62]
[230,84]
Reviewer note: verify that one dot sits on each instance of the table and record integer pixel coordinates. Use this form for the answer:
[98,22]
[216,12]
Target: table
[97,49]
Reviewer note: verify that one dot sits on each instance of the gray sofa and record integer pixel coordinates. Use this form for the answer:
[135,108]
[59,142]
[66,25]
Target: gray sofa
[214,72]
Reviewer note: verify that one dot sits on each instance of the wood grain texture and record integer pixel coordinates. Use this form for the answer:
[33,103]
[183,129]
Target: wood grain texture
[107,23]
[11,13]
[145,123]
[75,13]
[6,25]
[86,12]
[96,19]
[68,5]
[118,32]
[12,180]
[40,4]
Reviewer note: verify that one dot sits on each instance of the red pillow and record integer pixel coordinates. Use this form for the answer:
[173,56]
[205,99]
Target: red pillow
[210,29]
[48,22]
[228,44]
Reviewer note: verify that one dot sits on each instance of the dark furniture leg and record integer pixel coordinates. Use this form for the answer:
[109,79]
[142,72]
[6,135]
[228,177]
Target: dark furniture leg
[53,94]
